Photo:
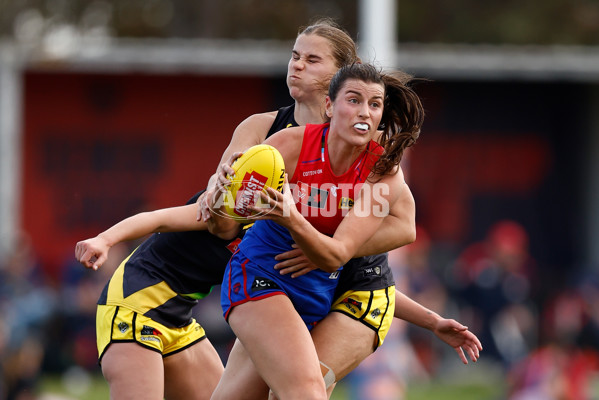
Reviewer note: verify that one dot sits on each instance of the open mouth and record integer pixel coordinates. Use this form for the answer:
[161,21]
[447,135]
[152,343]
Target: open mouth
[361,126]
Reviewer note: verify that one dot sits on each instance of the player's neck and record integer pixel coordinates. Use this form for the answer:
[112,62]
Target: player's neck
[309,113]
[342,155]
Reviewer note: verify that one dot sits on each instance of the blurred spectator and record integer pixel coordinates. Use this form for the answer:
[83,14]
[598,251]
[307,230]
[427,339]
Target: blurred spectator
[589,295]
[3,349]
[383,374]
[26,303]
[424,286]
[409,352]
[553,372]
[74,325]
[561,368]
[495,279]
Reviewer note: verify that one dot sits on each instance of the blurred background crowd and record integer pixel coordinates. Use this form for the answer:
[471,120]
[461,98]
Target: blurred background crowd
[112,107]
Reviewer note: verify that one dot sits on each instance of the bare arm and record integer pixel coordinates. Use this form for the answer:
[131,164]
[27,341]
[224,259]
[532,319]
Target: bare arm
[219,224]
[287,142]
[329,253]
[249,132]
[448,330]
[398,228]
[93,252]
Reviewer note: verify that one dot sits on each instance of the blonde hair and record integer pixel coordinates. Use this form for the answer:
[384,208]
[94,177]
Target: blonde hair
[343,47]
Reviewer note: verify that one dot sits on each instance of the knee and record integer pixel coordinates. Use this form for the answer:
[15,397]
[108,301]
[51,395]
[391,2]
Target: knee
[302,389]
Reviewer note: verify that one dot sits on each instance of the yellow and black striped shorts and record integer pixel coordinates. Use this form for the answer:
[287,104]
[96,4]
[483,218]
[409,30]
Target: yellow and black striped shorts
[121,324]
[374,308]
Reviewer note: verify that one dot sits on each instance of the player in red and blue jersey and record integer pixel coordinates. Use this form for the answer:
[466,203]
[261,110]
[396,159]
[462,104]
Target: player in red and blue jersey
[324,199]
[360,98]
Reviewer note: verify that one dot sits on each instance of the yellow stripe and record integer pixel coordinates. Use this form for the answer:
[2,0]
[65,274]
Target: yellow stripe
[115,288]
[142,301]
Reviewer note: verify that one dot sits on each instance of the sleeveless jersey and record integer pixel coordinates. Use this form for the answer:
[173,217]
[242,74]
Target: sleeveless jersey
[323,198]
[284,119]
[250,274]
[362,273]
[191,263]
[321,193]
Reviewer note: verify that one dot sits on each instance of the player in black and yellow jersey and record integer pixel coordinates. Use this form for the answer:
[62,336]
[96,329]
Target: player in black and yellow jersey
[148,343]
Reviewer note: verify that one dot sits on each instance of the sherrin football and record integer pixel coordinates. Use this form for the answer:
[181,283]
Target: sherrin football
[258,167]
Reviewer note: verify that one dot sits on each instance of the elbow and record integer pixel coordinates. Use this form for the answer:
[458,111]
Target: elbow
[331,267]
[328,262]
[334,261]
[408,236]
[411,236]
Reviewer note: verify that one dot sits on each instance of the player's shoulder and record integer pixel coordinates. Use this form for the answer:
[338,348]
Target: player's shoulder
[262,120]
[395,178]
[254,128]
[289,135]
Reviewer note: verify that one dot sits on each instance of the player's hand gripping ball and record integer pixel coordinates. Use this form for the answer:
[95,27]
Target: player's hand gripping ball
[258,167]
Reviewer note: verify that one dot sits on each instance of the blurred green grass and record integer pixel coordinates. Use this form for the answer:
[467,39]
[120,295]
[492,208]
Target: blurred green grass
[95,388]
[92,387]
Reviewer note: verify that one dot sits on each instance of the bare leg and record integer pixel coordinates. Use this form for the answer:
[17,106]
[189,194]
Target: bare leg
[342,343]
[192,373]
[133,372]
[341,352]
[241,379]
[278,343]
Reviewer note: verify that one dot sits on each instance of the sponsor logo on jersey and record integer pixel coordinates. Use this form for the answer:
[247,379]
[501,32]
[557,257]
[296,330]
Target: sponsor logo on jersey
[345,203]
[334,275]
[123,326]
[248,192]
[370,271]
[262,284]
[148,330]
[313,172]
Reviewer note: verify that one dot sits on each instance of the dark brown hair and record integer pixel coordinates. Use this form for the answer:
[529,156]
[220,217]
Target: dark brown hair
[403,113]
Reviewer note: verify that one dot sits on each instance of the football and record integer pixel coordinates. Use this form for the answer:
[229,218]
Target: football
[258,167]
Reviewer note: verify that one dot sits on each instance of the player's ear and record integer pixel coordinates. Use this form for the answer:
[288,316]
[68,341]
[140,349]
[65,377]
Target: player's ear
[328,107]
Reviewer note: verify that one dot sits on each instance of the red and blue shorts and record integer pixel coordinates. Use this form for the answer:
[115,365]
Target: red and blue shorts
[311,294]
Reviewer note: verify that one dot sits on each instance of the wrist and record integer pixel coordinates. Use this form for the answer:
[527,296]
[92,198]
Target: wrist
[108,241]
[295,222]
[432,320]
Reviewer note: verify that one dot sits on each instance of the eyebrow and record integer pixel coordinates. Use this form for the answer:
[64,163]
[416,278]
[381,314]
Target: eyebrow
[350,91]
[309,56]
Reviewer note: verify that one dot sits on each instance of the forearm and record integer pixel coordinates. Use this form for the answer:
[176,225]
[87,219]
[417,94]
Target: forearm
[398,228]
[326,252]
[415,313]
[354,231]
[163,220]
[131,228]
[392,234]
